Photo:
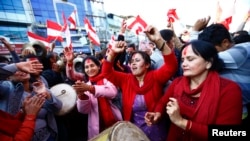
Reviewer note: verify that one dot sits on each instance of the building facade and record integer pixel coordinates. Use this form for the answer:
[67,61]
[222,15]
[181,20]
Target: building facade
[19,16]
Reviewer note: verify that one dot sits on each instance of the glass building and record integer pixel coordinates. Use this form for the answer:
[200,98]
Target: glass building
[19,16]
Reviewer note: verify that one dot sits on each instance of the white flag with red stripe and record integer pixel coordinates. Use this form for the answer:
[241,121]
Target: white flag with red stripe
[138,25]
[34,37]
[67,33]
[91,33]
[72,19]
[54,31]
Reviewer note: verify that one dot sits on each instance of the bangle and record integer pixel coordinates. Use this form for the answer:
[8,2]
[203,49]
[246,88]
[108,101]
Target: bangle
[162,46]
[91,88]
[189,125]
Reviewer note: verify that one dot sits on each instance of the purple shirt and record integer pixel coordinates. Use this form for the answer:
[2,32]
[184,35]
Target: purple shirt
[156,132]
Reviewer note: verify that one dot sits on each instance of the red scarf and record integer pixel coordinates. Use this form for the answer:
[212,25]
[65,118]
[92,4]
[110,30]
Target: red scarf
[106,114]
[9,124]
[205,111]
[147,85]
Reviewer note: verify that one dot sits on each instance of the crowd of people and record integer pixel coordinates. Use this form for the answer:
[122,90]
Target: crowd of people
[171,89]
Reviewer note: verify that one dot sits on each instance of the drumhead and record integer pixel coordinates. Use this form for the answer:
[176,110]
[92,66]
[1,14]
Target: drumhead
[67,95]
[121,131]
[126,131]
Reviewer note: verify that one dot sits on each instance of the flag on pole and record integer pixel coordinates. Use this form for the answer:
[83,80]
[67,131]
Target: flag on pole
[138,25]
[34,37]
[91,32]
[54,31]
[72,19]
[67,33]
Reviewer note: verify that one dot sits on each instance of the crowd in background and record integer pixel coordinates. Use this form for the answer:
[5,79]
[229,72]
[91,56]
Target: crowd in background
[172,88]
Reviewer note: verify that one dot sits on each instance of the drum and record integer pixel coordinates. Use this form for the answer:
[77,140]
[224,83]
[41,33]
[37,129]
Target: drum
[121,131]
[67,95]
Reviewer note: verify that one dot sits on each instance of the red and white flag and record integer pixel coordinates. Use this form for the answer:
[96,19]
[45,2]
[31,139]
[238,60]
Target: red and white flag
[172,16]
[227,22]
[225,12]
[91,33]
[67,33]
[34,37]
[72,19]
[54,31]
[138,25]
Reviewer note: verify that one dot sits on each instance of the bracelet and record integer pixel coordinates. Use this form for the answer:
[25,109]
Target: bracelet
[189,125]
[162,46]
[91,88]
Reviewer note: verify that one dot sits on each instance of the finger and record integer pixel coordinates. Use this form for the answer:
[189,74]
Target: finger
[208,18]
[172,99]
[170,104]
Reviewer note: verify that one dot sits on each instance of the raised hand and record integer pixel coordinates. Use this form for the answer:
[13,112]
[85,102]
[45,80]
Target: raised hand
[69,55]
[152,33]
[32,66]
[7,44]
[123,26]
[201,23]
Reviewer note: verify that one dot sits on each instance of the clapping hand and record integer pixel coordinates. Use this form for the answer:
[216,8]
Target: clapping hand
[173,110]
[80,87]
[152,118]
[32,105]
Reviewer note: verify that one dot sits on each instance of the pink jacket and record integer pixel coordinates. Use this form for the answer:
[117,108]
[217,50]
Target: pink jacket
[90,106]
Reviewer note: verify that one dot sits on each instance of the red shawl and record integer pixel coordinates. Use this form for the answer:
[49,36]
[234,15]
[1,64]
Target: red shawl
[105,111]
[205,111]
[148,84]
[206,108]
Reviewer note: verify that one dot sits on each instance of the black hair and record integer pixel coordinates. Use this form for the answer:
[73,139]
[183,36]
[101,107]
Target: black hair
[131,45]
[167,34]
[215,34]
[242,38]
[94,59]
[207,51]
[144,55]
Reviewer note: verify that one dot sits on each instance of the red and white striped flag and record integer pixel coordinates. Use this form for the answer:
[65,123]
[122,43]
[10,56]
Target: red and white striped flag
[138,25]
[91,33]
[54,31]
[67,33]
[34,37]
[72,19]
